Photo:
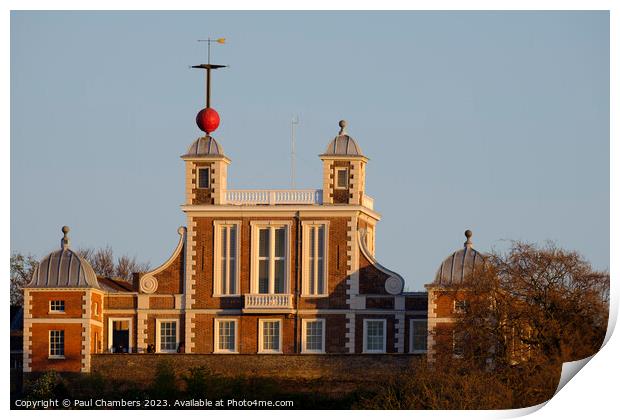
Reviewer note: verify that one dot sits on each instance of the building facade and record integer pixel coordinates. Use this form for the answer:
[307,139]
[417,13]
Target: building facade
[254,271]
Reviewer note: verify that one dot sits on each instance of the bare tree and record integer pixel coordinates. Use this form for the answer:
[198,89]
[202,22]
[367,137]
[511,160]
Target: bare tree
[102,261]
[528,310]
[22,268]
[126,266]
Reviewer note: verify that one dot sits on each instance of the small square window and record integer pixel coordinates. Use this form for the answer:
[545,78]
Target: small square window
[204,177]
[461,306]
[342,178]
[57,306]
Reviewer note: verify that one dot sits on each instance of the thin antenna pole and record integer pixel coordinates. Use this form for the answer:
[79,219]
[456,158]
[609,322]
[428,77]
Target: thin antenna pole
[294,122]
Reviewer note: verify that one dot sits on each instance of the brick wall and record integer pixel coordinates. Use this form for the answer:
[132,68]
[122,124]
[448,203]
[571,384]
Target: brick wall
[41,302]
[140,368]
[379,303]
[372,280]
[96,303]
[119,301]
[336,270]
[161,302]
[203,195]
[445,302]
[170,280]
[73,347]
[248,331]
[204,264]
[416,303]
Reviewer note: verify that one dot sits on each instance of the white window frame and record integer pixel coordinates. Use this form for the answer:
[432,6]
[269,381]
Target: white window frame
[366,322]
[411,335]
[111,330]
[49,345]
[57,311]
[261,323]
[216,336]
[460,310]
[304,329]
[338,169]
[203,168]
[158,323]
[306,225]
[218,225]
[255,227]
[455,338]
[96,308]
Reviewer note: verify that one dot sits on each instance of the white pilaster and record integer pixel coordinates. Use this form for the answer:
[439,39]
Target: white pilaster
[86,310]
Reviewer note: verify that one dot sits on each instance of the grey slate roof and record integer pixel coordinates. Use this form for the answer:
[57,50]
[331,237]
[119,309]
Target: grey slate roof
[459,265]
[64,268]
[204,146]
[343,145]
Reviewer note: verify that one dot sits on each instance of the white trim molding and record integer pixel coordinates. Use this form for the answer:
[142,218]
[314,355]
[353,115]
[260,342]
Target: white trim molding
[177,329]
[337,170]
[86,350]
[304,339]
[56,302]
[366,322]
[197,180]
[411,335]
[111,331]
[148,281]
[216,336]
[308,227]
[261,326]
[255,226]
[49,344]
[218,226]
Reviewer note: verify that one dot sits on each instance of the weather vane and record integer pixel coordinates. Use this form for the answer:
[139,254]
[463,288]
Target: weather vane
[208,119]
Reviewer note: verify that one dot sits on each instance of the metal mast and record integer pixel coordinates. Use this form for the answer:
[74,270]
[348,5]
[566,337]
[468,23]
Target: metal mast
[294,122]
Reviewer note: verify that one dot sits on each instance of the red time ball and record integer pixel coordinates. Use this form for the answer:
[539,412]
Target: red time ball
[208,120]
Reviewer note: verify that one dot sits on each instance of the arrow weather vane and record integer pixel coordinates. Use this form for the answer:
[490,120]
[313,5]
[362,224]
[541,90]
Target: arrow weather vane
[208,119]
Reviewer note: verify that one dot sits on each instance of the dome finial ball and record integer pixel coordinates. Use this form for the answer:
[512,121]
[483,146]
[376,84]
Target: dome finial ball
[65,229]
[468,233]
[342,123]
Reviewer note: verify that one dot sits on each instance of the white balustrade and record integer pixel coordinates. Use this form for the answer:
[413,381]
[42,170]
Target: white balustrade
[368,202]
[268,301]
[253,197]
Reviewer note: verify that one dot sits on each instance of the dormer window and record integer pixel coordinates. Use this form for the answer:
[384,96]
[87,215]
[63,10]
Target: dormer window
[57,306]
[203,177]
[342,178]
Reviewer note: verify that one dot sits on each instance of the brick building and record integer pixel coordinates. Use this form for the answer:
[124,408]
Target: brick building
[254,271]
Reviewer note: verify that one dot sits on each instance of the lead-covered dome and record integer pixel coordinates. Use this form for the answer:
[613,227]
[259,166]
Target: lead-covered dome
[343,144]
[204,146]
[64,268]
[458,266]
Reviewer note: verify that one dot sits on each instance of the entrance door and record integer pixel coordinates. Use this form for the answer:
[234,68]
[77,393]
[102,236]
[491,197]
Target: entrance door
[120,336]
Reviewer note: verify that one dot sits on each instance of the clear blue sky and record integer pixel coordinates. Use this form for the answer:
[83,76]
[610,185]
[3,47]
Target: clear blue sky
[497,122]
